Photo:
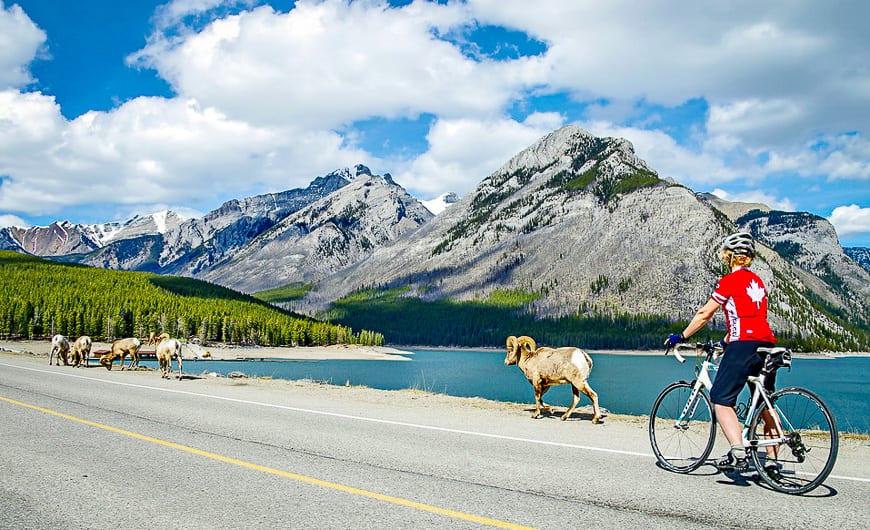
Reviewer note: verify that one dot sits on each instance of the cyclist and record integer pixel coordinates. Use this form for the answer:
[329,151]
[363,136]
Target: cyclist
[743,298]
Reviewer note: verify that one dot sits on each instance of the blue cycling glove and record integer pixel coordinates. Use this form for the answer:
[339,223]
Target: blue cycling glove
[674,339]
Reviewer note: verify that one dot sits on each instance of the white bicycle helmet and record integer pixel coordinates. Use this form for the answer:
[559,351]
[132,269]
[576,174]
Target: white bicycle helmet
[740,243]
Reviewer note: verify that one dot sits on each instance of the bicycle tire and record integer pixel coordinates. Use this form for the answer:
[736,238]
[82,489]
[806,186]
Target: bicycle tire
[802,464]
[682,447]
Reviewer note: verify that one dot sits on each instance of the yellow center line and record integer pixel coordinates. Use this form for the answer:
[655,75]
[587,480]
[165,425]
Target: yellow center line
[301,478]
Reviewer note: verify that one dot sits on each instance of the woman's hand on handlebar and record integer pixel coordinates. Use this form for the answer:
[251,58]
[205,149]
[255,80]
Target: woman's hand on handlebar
[674,339]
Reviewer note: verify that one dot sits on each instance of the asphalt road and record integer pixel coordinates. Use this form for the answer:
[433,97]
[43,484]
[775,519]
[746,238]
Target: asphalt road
[99,449]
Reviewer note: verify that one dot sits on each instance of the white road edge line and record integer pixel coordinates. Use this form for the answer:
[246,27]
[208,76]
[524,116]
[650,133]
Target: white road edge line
[372,420]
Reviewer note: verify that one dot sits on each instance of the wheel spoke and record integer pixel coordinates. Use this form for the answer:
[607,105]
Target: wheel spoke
[681,436]
[806,458]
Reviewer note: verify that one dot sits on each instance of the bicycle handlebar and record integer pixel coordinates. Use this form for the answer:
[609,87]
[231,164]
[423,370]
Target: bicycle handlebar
[708,347]
[676,351]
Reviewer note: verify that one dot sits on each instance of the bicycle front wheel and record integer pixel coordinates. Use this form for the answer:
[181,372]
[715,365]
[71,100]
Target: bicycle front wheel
[806,458]
[682,427]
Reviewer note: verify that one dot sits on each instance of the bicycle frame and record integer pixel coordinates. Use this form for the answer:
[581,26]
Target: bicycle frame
[759,392]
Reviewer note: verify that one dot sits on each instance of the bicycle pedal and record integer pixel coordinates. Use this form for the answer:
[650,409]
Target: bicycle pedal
[730,464]
[773,471]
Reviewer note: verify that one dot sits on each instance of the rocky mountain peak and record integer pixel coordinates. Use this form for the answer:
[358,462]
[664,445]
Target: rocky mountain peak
[325,236]
[348,173]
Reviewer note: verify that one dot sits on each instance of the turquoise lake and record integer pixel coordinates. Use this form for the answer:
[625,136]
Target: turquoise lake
[626,384]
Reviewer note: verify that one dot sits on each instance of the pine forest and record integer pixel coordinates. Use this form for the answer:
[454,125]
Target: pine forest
[41,298]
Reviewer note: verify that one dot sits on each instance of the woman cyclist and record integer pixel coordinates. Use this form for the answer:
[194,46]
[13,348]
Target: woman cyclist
[743,298]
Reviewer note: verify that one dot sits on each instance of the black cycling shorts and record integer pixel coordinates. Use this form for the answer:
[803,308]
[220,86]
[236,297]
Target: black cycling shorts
[741,359]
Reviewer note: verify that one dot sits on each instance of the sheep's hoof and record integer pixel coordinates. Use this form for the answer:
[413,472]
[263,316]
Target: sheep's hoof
[564,417]
[537,415]
[596,419]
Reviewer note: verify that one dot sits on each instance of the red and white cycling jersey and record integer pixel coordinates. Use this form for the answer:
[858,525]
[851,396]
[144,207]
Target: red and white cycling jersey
[743,298]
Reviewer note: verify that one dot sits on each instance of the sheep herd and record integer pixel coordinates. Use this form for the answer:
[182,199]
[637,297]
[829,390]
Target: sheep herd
[166,349]
[544,367]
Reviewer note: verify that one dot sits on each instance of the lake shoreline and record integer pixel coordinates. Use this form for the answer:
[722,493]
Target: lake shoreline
[224,352]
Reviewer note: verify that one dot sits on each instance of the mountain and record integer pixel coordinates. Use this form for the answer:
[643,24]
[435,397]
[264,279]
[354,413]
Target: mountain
[861,255]
[56,239]
[196,245]
[588,228]
[63,238]
[265,241]
[139,225]
[325,236]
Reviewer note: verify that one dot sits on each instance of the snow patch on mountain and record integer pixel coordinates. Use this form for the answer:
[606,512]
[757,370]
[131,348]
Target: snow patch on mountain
[441,202]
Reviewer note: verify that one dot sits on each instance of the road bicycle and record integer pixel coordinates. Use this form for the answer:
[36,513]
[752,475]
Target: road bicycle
[794,454]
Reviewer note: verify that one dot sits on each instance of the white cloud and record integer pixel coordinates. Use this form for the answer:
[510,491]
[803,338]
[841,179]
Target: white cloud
[755,117]
[150,150]
[327,64]
[848,157]
[463,152]
[772,73]
[12,220]
[20,41]
[851,220]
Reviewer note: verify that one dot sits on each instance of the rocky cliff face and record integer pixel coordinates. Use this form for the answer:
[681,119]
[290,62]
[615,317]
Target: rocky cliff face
[194,246]
[56,239]
[325,237]
[199,245]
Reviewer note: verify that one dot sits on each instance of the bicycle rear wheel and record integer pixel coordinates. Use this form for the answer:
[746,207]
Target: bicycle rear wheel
[682,433]
[806,459]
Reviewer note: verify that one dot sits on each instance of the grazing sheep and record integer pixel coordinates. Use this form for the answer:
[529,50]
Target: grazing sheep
[122,348]
[60,348]
[167,350]
[547,367]
[81,351]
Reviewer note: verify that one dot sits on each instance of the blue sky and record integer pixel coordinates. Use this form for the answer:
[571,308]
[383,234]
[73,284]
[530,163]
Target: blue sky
[109,109]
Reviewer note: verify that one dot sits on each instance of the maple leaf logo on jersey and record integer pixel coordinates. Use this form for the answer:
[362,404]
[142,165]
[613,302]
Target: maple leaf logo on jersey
[756,293]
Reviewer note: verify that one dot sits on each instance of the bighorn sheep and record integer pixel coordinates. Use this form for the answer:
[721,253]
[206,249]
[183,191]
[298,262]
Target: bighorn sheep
[547,367]
[156,339]
[59,348]
[81,351]
[122,348]
[167,350]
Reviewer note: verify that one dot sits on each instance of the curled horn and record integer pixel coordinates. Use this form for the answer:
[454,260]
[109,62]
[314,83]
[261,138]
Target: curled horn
[528,343]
